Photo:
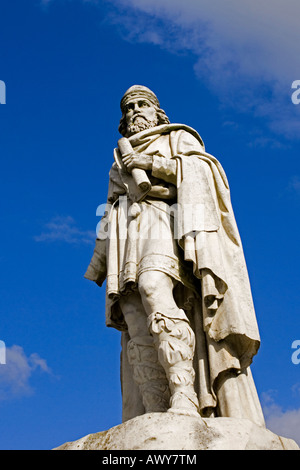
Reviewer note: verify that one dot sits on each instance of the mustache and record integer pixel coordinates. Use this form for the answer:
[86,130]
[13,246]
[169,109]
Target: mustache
[138,115]
[140,125]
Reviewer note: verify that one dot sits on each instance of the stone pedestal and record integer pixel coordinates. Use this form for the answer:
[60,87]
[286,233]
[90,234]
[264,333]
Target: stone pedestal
[169,431]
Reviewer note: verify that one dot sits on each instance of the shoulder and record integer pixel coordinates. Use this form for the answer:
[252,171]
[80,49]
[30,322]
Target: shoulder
[186,138]
[186,131]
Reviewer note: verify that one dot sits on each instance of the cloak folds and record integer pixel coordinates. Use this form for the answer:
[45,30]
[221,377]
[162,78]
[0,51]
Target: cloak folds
[222,312]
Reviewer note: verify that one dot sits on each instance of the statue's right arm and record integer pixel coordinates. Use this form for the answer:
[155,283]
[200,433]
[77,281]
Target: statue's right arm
[97,268]
[116,186]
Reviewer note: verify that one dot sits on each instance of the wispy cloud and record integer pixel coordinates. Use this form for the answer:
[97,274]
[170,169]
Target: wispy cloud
[16,374]
[47,2]
[64,229]
[246,52]
[285,423]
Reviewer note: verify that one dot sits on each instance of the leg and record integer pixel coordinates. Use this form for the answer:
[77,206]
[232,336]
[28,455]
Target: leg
[148,373]
[134,314]
[173,338]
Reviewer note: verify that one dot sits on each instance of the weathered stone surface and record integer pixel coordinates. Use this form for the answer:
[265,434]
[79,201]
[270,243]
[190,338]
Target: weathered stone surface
[169,431]
[177,286]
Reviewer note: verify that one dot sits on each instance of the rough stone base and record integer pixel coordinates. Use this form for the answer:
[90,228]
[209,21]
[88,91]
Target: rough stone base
[168,431]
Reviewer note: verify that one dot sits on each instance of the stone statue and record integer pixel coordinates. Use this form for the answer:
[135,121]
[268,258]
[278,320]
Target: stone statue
[176,280]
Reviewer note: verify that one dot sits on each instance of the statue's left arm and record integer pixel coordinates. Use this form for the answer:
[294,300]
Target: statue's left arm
[161,167]
[182,143]
[164,168]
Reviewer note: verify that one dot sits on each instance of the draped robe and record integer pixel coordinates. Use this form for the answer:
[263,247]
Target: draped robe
[207,260]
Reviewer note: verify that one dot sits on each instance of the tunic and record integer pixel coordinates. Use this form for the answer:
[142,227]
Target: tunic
[193,238]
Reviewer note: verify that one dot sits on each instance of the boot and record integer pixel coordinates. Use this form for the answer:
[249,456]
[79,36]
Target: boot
[175,342]
[148,374]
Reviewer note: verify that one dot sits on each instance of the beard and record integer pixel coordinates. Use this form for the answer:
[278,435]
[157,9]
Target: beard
[140,123]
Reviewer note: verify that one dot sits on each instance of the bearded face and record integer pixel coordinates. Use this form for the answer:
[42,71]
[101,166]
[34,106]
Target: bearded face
[141,123]
[140,114]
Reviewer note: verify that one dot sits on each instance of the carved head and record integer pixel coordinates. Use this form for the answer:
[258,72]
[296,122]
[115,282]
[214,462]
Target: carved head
[140,110]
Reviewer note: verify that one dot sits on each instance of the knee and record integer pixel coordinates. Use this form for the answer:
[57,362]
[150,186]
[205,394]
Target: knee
[154,287]
[134,315]
[136,324]
[156,291]
[151,284]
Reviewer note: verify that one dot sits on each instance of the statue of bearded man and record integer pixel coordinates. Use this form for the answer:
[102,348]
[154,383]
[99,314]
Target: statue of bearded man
[177,284]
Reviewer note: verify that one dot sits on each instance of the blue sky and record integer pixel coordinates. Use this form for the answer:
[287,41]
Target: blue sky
[224,68]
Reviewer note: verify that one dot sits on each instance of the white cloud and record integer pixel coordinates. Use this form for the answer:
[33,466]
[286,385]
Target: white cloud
[15,375]
[285,423]
[47,2]
[64,229]
[246,52]
[250,37]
